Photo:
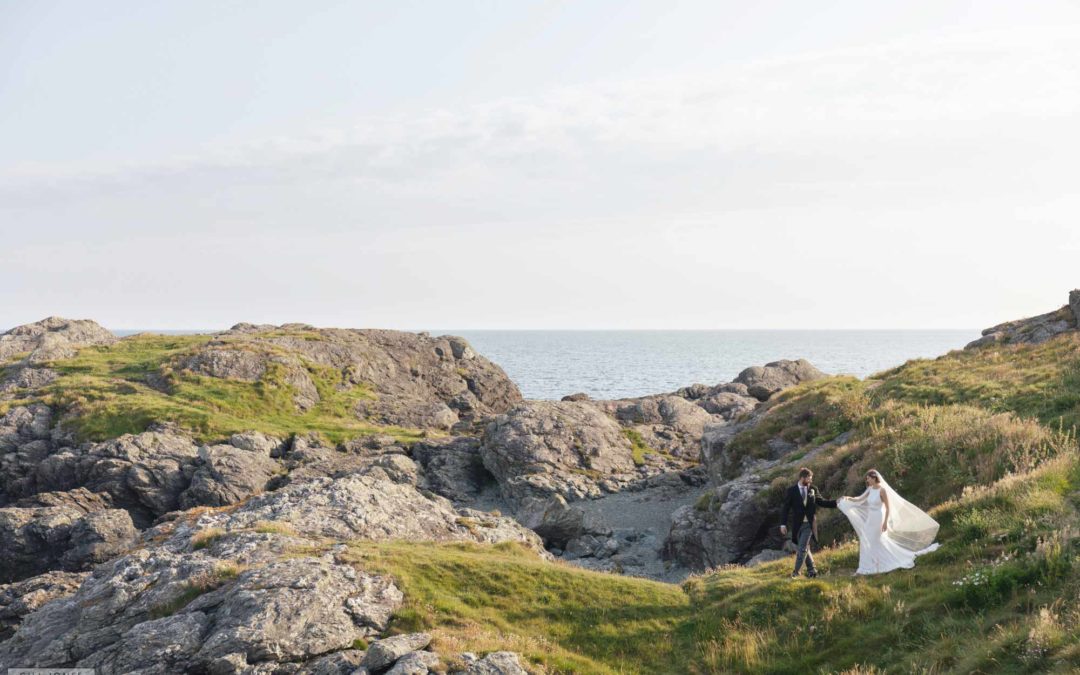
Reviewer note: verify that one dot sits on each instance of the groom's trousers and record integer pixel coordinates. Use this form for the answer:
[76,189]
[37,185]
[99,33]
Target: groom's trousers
[805,532]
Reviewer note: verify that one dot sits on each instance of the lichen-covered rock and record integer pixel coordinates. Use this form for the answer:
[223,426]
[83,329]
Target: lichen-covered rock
[722,526]
[381,654]
[37,539]
[369,507]
[394,468]
[239,607]
[345,662]
[452,467]
[52,339]
[144,473]
[226,475]
[22,597]
[764,381]
[415,663]
[496,663]
[542,448]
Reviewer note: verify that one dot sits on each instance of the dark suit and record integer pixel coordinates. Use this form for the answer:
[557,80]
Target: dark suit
[805,528]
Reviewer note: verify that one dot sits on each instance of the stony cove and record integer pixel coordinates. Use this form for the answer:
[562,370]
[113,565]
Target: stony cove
[290,499]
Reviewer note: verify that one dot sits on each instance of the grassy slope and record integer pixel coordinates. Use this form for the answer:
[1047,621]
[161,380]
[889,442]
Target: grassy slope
[566,619]
[106,391]
[997,458]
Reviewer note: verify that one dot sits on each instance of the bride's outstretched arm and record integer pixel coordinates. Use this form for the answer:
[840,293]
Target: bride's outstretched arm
[860,498]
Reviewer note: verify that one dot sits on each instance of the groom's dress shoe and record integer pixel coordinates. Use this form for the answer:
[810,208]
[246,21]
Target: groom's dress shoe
[811,574]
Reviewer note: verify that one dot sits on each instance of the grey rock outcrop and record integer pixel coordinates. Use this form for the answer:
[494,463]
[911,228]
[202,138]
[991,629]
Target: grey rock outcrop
[721,527]
[417,380]
[452,467]
[369,507]
[415,663]
[51,339]
[226,475]
[542,448]
[144,473]
[1036,329]
[36,539]
[496,663]
[381,654]
[163,610]
[22,597]
[764,381]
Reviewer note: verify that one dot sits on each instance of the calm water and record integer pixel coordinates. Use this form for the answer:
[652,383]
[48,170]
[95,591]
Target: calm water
[618,364]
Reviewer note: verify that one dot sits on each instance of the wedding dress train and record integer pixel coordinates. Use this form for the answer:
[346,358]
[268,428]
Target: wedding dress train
[910,533]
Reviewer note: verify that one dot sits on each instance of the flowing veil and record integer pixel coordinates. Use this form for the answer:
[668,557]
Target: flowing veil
[909,526]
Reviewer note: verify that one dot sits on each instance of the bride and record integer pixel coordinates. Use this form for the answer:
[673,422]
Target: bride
[891,530]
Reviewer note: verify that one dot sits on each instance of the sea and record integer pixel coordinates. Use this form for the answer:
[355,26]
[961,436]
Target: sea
[608,364]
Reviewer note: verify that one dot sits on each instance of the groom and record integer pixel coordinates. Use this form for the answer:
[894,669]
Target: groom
[803,499]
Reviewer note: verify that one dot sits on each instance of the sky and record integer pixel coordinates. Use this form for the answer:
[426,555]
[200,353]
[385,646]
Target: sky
[538,164]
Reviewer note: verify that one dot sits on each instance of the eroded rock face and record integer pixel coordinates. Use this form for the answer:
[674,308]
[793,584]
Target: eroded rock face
[51,339]
[254,588]
[360,506]
[542,448]
[764,381]
[36,539]
[22,597]
[1036,329]
[721,527]
[226,475]
[144,473]
[452,467]
[240,608]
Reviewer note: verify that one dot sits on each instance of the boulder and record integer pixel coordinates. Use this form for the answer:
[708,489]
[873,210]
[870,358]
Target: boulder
[415,663]
[728,405]
[34,540]
[394,468]
[764,381]
[381,654]
[225,474]
[721,527]
[542,448]
[52,339]
[496,663]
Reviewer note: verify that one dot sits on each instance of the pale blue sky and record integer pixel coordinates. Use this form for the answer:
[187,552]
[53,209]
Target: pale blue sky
[538,165]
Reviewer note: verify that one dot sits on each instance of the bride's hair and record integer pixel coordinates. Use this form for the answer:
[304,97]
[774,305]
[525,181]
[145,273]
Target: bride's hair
[872,473]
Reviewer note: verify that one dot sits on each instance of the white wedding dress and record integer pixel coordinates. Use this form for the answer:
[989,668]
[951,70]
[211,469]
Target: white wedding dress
[910,533]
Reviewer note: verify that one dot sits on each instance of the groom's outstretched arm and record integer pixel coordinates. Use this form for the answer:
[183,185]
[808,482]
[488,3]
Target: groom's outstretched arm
[827,503]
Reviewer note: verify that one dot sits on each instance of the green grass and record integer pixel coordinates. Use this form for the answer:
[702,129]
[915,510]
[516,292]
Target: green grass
[638,446]
[486,598]
[104,392]
[1033,381]
[1023,534]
